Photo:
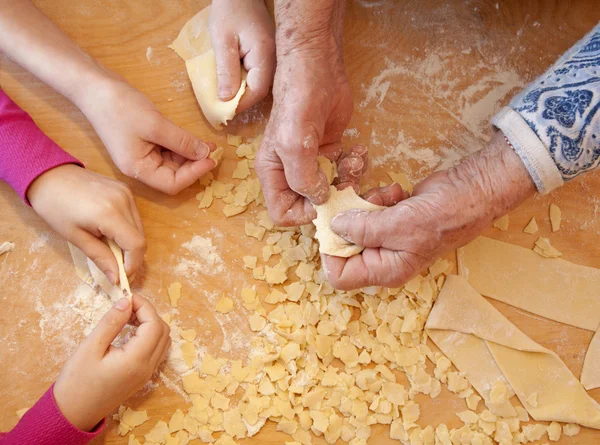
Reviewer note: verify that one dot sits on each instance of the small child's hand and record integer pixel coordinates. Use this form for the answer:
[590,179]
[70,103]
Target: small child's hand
[99,376]
[83,206]
[243,29]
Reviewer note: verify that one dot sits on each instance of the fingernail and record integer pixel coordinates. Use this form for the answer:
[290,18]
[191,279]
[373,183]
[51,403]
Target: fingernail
[122,304]
[202,151]
[224,93]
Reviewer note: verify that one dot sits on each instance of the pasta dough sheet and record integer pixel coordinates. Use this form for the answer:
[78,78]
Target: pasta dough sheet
[193,45]
[553,288]
[528,367]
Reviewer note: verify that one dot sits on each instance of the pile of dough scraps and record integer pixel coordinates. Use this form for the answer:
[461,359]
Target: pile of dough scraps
[323,362]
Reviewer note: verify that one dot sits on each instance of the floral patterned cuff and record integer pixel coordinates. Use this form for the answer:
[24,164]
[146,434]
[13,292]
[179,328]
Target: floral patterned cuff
[554,124]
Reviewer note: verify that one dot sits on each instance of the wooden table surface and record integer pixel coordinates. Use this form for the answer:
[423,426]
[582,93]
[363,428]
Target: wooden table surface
[427,75]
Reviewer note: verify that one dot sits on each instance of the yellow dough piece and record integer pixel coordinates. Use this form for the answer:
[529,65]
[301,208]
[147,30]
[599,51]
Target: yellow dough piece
[531,227]
[553,288]
[544,248]
[526,366]
[555,217]
[502,223]
[339,201]
[193,45]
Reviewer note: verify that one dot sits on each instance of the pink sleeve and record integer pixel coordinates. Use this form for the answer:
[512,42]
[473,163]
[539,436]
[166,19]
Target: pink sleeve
[44,424]
[25,152]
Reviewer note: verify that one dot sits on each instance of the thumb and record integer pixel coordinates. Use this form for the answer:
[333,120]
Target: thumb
[109,326]
[168,135]
[364,228]
[229,71]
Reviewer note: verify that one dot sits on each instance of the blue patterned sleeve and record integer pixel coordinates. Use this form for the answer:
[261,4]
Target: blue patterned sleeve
[554,124]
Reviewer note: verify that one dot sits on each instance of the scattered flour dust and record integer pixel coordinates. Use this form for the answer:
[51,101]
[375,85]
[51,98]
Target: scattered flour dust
[204,258]
[441,80]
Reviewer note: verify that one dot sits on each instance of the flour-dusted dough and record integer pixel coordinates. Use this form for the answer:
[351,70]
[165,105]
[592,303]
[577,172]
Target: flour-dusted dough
[193,44]
[194,38]
[91,275]
[528,367]
[339,201]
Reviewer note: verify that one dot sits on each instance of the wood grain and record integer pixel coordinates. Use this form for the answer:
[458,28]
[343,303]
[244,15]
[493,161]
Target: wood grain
[442,68]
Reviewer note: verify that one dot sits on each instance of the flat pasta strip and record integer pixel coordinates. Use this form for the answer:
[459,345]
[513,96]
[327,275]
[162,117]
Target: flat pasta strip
[528,367]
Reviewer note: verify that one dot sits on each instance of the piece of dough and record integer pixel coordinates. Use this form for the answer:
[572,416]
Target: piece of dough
[339,201]
[194,38]
[590,374]
[553,288]
[91,275]
[527,366]
[193,45]
[6,247]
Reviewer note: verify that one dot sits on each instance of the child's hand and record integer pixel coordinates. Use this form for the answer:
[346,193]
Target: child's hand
[83,206]
[243,29]
[143,143]
[99,377]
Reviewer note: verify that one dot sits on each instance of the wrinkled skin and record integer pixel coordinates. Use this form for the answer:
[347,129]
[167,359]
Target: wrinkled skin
[243,30]
[311,109]
[446,211]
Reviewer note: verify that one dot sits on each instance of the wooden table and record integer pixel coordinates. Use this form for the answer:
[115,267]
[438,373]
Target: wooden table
[427,75]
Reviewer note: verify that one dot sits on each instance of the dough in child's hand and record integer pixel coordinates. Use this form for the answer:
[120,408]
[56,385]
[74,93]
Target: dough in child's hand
[339,201]
[193,44]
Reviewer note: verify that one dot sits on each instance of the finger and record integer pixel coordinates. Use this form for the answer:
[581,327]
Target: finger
[171,178]
[374,267]
[286,207]
[386,196]
[97,251]
[109,327]
[229,73]
[260,65]
[298,150]
[353,164]
[129,238]
[165,133]
[151,330]
[365,228]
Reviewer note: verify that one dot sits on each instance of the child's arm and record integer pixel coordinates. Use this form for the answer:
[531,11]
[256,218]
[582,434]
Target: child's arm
[78,204]
[141,141]
[97,379]
[243,30]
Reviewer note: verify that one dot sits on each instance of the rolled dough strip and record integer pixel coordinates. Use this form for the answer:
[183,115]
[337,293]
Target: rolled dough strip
[91,275]
[339,201]
[194,46]
[527,366]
